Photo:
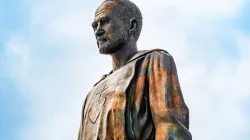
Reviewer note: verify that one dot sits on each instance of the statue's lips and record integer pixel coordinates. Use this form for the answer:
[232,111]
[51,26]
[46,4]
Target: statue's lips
[101,39]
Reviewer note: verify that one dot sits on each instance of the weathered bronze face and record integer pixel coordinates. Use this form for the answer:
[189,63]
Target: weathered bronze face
[110,31]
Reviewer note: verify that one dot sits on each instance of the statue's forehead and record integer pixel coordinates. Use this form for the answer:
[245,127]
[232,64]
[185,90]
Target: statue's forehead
[104,9]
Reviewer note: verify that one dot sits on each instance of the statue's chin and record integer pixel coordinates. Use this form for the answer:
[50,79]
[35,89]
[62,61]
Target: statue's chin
[109,49]
[112,46]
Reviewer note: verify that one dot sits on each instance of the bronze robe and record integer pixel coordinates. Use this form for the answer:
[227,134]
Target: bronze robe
[142,101]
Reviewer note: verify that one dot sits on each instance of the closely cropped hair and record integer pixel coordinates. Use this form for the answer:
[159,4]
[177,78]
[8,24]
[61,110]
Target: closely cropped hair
[127,11]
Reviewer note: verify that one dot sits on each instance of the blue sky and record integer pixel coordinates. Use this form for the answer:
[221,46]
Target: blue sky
[13,107]
[243,21]
[49,61]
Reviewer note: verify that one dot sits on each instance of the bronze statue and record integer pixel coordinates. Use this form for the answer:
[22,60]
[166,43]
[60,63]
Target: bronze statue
[140,98]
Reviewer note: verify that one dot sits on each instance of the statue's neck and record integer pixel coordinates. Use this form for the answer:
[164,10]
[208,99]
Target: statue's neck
[121,57]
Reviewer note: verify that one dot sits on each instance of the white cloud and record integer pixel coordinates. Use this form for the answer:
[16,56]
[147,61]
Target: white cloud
[214,86]
[17,55]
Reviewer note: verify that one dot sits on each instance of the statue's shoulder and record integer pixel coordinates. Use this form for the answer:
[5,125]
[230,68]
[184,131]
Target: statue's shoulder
[137,56]
[103,77]
[158,52]
[148,52]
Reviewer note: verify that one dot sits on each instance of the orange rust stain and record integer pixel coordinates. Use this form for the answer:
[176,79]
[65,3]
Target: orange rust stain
[104,9]
[110,35]
[158,98]
[162,130]
[176,97]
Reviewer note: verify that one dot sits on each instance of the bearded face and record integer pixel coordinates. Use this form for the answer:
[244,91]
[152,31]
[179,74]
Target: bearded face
[112,45]
[110,31]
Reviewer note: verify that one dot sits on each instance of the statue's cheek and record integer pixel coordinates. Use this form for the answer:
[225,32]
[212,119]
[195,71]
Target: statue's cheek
[109,31]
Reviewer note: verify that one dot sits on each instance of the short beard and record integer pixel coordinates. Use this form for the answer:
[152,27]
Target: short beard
[114,45]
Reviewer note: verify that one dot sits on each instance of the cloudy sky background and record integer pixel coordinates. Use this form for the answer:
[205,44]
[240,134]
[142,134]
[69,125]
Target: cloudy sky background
[49,61]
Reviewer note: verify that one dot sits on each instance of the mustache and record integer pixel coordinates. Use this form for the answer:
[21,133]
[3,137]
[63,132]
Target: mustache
[101,38]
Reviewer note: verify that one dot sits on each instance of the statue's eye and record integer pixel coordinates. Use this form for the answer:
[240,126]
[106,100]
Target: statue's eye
[104,20]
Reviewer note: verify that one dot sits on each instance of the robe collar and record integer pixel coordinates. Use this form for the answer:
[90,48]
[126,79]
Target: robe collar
[136,56]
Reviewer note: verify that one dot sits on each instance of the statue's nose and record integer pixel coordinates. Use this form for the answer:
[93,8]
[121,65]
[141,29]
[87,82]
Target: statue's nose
[99,31]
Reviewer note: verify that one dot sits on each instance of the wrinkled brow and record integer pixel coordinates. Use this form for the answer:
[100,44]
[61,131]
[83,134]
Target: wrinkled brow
[101,19]
[105,8]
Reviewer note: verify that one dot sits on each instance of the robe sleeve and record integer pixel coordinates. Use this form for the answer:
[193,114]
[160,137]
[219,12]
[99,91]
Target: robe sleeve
[80,132]
[168,109]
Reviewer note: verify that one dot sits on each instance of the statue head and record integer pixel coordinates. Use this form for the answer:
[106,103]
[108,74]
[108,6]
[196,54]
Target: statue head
[116,22]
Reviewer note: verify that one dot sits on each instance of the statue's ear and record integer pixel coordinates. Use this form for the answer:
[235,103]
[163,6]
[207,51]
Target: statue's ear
[133,25]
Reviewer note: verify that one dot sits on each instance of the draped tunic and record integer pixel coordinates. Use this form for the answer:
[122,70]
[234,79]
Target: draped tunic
[140,101]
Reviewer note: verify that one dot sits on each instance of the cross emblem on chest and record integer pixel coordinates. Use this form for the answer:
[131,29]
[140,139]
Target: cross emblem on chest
[99,93]
[97,104]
